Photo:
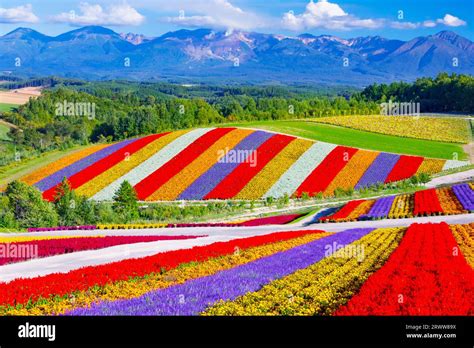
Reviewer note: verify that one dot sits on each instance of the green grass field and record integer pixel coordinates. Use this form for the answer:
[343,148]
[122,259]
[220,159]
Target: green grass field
[7,107]
[3,132]
[360,139]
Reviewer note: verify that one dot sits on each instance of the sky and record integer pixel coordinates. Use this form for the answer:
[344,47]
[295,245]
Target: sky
[397,19]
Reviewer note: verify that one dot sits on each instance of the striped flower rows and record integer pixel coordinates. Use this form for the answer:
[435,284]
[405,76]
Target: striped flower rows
[388,271]
[226,163]
[457,199]
[50,247]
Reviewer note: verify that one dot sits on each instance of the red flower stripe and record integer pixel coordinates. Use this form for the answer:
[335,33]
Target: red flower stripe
[22,290]
[405,167]
[344,211]
[426,202]
[271,220]
[50,247]
[154,181]
[104,164]
[323,174]
[426,275]
[233,183]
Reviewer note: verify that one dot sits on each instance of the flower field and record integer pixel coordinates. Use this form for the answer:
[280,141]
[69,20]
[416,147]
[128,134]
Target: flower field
[226,163]
[50,247]
[424,269]
[457,199]
[453,130]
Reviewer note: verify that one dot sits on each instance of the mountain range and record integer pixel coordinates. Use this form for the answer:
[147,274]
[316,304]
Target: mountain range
[204,55]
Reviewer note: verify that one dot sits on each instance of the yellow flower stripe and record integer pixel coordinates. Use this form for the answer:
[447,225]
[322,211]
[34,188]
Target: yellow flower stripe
[430,128]
[464,235]
[63,162]
[431,166]
[363,208]
[178,183]
[265,179]
[139,286]
[93,186]
[37,238]
[471,185]
[448,201]
[321,288]
[129,226]
[402,207]
[350,175]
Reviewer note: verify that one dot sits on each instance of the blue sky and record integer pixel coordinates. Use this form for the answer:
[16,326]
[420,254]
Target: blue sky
[402,19]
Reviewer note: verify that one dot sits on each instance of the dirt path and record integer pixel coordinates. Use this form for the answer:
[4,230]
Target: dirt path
[469,149]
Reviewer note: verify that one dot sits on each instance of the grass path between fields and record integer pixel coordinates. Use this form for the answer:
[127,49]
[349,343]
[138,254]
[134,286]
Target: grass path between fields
[360,139]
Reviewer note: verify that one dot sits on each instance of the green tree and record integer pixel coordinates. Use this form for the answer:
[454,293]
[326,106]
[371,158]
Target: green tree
[66,203]
[126,202]
[28,207]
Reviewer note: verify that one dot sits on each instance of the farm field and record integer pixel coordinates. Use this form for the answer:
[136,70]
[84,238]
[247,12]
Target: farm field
[285,273]
[6,107]
[201,164]
[361,139]
[19,96]
[451,200]
[453,130]
[25,167]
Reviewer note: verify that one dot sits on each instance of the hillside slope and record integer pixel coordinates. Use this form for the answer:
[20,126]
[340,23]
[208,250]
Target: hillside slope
[225,163]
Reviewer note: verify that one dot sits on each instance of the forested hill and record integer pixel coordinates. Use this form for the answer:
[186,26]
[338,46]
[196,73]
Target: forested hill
[78,112]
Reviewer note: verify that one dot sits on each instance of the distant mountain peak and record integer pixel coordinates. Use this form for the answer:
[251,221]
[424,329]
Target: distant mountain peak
[206,54]
[25,33]
[135,39]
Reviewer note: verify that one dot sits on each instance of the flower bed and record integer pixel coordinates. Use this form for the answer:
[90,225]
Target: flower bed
[440,201]
[50,247]
[231,185]
[194,296]
[186,165]
[63,228]
[422,277]
[141,285]
[20,291]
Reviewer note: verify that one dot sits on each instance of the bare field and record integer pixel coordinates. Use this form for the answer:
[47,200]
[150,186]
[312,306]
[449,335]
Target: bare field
[19,96]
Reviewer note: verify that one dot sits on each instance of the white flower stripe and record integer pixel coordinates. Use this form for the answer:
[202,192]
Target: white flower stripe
[152,164]
[299,171]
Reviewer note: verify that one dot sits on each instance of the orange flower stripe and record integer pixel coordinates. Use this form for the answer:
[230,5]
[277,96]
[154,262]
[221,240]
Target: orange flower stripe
[350,175]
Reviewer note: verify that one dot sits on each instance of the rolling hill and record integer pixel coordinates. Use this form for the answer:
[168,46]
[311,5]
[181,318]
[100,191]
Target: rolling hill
[226,163]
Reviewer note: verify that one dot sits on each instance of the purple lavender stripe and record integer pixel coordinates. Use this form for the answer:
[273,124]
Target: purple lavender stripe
[76,167]
[208,180]
[196,295]
[465,195]
[378,170]
[380,209]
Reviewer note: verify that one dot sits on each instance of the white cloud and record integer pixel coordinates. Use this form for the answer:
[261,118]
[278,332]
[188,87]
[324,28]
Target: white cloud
[327,15]
[217,14]
[448,20]
[451,21]
[20,14]
[119,14]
